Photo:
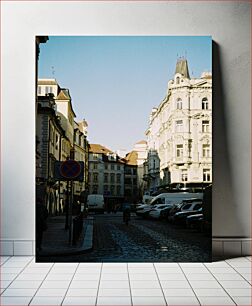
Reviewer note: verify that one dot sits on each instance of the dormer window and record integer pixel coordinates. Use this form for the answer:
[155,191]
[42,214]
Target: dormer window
[177,80]
[179,103]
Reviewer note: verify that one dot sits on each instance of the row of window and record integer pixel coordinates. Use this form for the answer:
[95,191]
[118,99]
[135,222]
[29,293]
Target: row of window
[106,177]
[206,152]
[48,89]
[206,175]
[112,190]
[205,127]
[204,104]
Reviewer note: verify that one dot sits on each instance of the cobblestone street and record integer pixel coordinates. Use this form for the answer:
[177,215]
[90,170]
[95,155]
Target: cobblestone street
[144,240]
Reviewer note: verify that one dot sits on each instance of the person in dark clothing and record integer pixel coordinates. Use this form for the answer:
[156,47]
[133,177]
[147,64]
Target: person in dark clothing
[126,215]
[41,225]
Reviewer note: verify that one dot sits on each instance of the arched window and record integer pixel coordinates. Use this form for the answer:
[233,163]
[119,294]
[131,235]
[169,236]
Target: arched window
[177,80]
[205,104]
[179,104]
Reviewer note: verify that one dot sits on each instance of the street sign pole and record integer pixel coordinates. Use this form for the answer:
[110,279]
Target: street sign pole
[67,207]
[71,213]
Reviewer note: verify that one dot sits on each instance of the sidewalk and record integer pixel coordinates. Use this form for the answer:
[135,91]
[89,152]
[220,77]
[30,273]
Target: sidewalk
[56,238]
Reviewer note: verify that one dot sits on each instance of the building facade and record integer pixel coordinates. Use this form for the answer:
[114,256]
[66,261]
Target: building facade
[72,144]
[106,175]
[179,135]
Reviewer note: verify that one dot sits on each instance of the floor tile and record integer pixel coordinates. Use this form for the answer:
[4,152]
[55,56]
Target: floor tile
[228,276]
[7,276]
[220,300]
[144,300]
[217,264]
[40,265]
[9,270]
[3,259]
[67,265]
[47,300]
[169,270]
[90,264]
[210,292]
[248,277]
[175,284]
[114,270]
[237,259]
[192,270]
[82,292]
[22,258]
[88,270]
[140,265]
[59,277]
[14,264]
[138,276]
[243,300]
[146,292]
[61,270]
[242,270]
[201,276]
[30,276]
[171,276]
[239,291]
[204,284]
[19,292]
[114,292]
[234,284]
[79,284]
[5,283]
[55,284]
[25,284]
[19,300]
[191,264]
[178,292]
[144,284]
[51,292]
[220,270]
[241,264]
[147,270]
[32,270]
[79,301]
[189,300]
[113,284]
[87,277]
[114,277]
[104,300]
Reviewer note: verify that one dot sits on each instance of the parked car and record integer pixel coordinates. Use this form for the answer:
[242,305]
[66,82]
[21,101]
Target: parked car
[181,216]
[160,211]
[143,211]
[186,205]
[174,197]
[194,221]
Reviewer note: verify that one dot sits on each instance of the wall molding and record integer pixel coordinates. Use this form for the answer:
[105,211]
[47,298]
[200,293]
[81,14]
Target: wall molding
[221,247]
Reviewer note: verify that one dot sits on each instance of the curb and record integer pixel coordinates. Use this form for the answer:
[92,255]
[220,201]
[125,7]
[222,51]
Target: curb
[86,246]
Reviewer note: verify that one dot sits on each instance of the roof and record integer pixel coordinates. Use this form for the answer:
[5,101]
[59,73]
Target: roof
[97,148]
[47,82]
[182,68]
[142,142]
[62,96]
[131,158]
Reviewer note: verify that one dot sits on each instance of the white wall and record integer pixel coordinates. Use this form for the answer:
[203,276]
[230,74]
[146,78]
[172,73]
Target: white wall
[229,25]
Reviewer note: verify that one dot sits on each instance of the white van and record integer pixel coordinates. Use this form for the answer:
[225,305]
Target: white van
[95,203]
[175,197]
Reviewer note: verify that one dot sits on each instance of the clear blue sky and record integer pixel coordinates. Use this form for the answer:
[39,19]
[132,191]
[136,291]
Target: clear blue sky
[115,81]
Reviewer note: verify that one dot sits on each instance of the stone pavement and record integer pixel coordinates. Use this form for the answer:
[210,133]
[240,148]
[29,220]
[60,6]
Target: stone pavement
[56,238]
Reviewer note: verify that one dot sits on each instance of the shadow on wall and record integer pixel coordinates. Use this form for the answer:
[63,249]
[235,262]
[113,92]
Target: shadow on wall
[225,214]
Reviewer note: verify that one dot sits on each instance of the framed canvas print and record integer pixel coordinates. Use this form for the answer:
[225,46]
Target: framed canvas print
[123,148]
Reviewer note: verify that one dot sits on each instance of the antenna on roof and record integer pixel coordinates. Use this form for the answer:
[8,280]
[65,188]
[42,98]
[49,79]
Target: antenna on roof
[185,54]
[53,71]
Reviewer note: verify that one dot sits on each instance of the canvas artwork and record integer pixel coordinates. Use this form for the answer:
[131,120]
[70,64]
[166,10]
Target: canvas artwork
[123,148]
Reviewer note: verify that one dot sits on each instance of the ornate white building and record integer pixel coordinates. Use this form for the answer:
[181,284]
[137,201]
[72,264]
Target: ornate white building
[179,135]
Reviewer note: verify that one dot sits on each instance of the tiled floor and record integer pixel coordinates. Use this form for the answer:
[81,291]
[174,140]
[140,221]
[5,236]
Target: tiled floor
[24,282]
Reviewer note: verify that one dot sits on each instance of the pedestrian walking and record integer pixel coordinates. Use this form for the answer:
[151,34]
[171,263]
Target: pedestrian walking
[41,224]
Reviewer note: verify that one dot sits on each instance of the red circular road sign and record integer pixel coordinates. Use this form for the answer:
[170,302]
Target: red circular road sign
[70,169]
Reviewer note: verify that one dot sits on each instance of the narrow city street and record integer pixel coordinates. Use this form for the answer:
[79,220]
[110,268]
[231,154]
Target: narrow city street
[144,240]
